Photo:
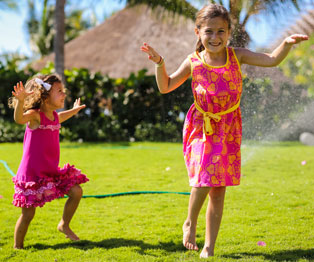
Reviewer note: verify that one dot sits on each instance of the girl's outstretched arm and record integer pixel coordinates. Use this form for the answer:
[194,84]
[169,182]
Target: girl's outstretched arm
[65,115]
[20,116]
[167,83]
[246,56]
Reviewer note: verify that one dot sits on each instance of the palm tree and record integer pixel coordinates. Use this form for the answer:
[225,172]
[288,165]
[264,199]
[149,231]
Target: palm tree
[41,29]
[249,8]
[59,37]
[180,7]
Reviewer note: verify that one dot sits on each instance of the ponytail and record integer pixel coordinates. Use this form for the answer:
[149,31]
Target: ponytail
[199,46]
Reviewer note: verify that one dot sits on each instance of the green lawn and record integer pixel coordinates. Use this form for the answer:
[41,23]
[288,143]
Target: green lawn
[274,204]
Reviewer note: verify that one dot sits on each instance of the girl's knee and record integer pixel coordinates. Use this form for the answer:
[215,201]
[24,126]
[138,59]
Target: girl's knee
[76,192]
[217,193]
[28,214]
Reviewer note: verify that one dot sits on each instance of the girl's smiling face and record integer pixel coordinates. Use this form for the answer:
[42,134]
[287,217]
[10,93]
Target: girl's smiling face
[214,34]
[56,96]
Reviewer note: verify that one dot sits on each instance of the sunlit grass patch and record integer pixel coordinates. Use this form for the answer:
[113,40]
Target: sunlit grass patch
[273,204]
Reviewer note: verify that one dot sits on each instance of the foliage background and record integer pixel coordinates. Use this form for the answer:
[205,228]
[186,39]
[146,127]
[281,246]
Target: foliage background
[299,65]
[132,109]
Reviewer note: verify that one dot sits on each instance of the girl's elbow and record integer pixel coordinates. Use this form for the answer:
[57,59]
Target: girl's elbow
[19,121]
[274,62]
[163,91]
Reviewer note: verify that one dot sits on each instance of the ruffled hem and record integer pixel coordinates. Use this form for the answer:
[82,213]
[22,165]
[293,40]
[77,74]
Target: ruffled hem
[47,188]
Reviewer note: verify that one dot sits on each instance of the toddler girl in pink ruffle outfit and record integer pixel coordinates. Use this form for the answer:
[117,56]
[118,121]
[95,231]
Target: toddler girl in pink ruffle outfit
[39,178]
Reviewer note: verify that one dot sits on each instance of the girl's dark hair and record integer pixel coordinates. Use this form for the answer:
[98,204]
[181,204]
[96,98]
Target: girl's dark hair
[39,94]
[208,12]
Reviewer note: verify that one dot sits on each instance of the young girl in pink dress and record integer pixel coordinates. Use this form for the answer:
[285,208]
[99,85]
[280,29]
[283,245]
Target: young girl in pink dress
[39,178]
[213,129]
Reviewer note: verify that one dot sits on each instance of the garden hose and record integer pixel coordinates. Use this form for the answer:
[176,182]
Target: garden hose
[110,195]
[7,167]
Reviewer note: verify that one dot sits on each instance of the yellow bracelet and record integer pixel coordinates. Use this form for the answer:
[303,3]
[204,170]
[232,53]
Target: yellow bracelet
[160,64]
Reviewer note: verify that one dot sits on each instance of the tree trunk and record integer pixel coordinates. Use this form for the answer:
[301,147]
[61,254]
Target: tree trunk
[239,36]
[59,38]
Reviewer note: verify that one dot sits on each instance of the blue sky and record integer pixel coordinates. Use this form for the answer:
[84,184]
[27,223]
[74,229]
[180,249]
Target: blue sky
[14,36]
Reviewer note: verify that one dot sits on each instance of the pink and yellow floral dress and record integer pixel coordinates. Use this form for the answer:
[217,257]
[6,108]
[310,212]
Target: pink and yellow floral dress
[39,178]
[214,160]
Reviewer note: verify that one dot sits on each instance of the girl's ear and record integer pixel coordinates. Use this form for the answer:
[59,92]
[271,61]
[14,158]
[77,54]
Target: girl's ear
[197,31]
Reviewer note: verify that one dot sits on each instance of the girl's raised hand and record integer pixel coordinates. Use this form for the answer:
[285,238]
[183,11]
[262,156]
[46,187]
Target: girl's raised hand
[77,105]
[152,54]
[19,92]
[295,39]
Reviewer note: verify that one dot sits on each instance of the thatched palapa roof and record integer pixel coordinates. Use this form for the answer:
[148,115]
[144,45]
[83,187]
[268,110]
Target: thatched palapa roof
[113,47]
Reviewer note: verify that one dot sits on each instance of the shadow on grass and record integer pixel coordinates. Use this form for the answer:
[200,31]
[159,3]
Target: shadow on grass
[114,243]
[283,255]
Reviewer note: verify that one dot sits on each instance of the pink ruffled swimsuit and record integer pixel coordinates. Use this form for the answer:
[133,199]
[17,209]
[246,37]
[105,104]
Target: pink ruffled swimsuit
[39,178]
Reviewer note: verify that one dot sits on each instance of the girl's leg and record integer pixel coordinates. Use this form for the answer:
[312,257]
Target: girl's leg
[22,226]
[75,195]
[213,218]
[197,197]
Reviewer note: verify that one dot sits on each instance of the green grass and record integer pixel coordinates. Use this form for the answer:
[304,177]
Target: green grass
[274,204]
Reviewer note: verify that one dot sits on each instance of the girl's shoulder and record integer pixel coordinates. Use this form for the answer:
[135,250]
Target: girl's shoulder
[194,59]
[33,113]
[237,50]
[194,55]
[34,116]
[240,52]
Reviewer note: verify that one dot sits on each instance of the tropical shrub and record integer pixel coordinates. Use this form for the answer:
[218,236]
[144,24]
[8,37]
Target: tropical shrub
[132,109]
[299,65]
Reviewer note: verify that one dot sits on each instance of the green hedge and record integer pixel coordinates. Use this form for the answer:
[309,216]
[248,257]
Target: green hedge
[132,109]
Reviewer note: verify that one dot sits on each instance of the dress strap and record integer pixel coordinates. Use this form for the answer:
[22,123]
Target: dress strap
[234,59]
[195,60]
[55,114]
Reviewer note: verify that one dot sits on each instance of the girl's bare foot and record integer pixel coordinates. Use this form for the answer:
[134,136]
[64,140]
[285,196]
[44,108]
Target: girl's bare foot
[68,232]
[206,252]
[189,235]
[16,247]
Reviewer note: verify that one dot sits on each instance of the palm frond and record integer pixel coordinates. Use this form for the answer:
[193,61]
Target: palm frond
[280,6]
[180,7]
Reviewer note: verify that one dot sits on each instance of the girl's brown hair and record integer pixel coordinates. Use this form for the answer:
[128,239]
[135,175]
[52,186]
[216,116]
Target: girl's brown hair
[39,95]
[208,12]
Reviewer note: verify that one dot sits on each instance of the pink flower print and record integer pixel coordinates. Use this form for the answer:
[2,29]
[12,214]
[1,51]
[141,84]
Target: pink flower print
[303,163]
[1,196]
[261,243]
